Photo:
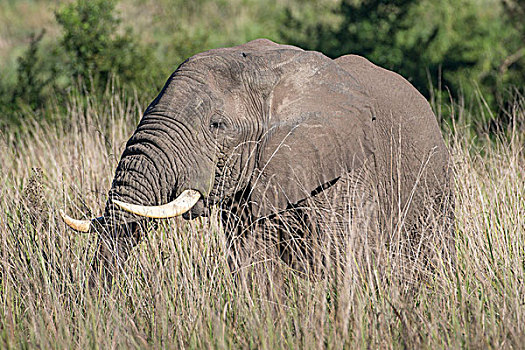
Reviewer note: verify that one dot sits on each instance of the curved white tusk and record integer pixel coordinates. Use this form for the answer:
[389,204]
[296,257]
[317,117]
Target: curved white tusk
[184,202]
[77,225]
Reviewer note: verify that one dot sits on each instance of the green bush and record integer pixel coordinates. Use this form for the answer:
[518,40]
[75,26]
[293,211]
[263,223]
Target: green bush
[92,50]
[95,47]
[32,88]
[31,84]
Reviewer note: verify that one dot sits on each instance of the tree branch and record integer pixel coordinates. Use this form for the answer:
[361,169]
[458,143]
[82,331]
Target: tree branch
[510,60]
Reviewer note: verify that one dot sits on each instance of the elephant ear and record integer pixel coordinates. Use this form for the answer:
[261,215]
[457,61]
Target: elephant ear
[319,128]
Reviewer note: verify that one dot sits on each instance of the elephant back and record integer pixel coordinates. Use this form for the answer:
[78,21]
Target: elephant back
[413,166]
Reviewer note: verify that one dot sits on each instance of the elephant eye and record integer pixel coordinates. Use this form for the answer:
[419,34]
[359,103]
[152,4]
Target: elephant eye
[218,124]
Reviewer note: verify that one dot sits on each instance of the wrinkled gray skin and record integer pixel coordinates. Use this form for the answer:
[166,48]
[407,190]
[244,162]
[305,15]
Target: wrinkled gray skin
[273,133]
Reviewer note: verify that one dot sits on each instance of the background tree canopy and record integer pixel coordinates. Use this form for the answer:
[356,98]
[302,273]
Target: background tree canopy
[470,49]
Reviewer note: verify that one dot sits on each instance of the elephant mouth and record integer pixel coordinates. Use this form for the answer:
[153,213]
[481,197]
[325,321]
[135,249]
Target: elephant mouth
[198,210]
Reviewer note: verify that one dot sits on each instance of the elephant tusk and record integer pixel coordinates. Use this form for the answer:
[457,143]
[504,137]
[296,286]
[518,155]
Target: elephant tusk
[184,202]
[77,225]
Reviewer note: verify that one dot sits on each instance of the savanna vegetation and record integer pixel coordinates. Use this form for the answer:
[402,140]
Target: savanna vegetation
[75,78]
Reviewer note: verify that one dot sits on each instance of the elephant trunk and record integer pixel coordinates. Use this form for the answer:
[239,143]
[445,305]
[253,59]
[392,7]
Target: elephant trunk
[162,160]
[157,166]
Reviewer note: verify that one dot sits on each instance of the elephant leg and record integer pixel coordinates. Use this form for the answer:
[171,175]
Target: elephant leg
[344,222]
[292,233]
[240,229]
[432,232]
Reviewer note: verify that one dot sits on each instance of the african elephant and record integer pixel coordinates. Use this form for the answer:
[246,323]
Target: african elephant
[277,137]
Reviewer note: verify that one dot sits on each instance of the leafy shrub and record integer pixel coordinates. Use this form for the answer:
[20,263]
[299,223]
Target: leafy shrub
[32,89]
[91,51]
[31,84]
[96,49]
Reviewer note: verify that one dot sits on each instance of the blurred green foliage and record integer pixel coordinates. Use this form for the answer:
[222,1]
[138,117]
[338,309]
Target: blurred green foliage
[92,50]
[96,49]
[470,49]
[33,88]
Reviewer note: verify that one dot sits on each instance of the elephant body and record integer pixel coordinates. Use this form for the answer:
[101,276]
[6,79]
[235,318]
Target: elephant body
[294,148]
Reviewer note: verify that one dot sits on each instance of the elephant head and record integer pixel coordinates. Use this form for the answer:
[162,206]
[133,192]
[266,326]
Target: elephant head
[273,123]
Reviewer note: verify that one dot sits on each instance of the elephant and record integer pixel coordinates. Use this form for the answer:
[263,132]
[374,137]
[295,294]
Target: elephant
[285,142]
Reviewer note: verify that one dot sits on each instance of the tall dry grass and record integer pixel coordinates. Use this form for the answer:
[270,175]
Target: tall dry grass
[176,290]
